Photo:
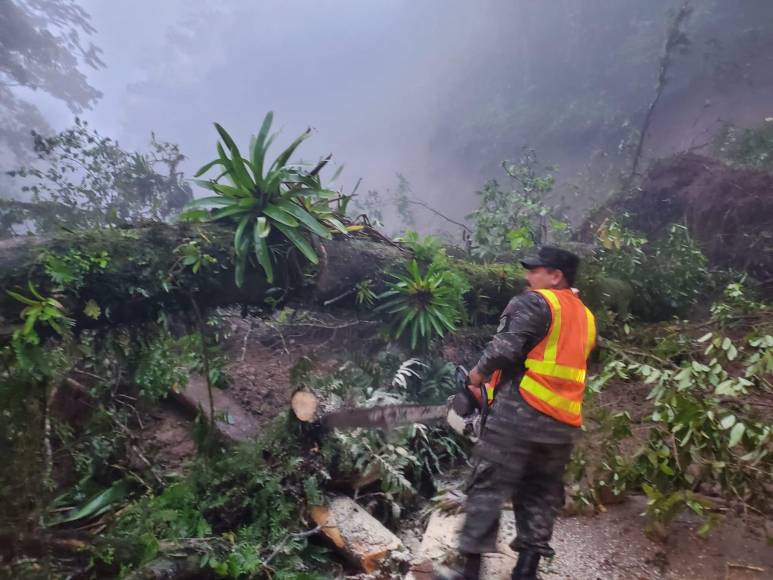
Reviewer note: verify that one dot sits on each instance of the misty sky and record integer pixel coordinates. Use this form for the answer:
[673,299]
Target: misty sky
[368,76]
[439,90]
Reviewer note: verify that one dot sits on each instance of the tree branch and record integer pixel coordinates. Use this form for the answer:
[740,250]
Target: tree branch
[436,212]
[674,39]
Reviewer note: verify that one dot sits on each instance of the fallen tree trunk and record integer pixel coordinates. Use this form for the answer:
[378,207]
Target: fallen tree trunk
[132,274]
[142,270]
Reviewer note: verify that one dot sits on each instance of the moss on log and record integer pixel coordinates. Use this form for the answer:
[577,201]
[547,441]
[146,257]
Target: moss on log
[140,273]
[496,284]
[133,274]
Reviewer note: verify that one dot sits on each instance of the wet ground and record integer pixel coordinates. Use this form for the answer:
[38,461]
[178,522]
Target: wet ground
[610,545]
[613,546]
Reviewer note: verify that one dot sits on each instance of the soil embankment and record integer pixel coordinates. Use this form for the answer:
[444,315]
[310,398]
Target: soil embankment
[728,210]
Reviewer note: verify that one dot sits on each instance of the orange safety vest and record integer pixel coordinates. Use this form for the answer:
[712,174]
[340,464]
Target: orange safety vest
[554,382]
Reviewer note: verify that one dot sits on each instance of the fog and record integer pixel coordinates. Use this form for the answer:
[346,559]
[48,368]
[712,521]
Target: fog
[441,91]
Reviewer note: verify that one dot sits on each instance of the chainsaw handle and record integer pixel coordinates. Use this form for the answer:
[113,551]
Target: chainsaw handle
[464,402]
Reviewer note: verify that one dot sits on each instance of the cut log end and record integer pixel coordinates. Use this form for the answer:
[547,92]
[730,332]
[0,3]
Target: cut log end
[355,534]
[304,404]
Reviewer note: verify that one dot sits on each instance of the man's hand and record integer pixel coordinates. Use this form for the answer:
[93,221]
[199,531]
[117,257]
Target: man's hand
[476,379]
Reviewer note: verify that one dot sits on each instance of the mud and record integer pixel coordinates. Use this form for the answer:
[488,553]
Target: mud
[167,440]
[262,353]
[729,211]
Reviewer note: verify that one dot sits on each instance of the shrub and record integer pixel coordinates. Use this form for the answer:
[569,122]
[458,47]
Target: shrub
[752,148]
[518,218]
[704,436]
[667,275]
[283,203]
[420,303]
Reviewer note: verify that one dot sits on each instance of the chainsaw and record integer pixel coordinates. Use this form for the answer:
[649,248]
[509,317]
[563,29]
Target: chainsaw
[462,411]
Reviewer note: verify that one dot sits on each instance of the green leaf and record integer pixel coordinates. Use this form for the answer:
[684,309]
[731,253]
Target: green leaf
[21,298]
[664,467]
[232,192]
[239,234]
[337,224]
[262,252]
[299,242]
[414,334]
[280,216]
[34,290]
[735,435]
[207,167]
[228,212]
[207,202]
[284,157]
[56,326]
[240,265]
[272,182]
[433,320]
[304,217]
[240,173]
[262,227]
[247,202]
[260,147]
[445,320]
[404,322]
[226,162]
[99,503]
[727,421]
[92,310]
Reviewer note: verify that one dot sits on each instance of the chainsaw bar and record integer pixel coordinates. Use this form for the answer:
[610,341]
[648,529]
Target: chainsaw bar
[386,417]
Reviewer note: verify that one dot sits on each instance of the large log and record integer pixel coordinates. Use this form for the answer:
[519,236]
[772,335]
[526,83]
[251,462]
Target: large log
[145,275]
[356,534]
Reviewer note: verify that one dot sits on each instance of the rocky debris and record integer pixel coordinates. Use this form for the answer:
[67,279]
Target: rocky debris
[356,534]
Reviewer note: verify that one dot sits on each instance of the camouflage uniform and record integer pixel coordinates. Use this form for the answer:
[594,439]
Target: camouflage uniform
[522,453]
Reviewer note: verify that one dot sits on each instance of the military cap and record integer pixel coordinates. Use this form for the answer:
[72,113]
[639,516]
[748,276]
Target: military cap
[553,257]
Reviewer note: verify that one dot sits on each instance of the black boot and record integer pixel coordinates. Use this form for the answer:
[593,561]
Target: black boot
[526,568]
[469,571]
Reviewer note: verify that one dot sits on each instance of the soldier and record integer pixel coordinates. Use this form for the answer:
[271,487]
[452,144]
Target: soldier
[536,362]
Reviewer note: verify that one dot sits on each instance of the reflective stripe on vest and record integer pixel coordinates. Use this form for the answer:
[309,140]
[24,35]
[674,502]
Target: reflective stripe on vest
[491,386]
[554,382]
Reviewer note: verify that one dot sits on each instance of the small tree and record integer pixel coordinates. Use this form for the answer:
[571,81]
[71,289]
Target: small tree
[518,218]
[86,180]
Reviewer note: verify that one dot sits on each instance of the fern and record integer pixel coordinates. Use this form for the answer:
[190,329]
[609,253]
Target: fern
[405,372]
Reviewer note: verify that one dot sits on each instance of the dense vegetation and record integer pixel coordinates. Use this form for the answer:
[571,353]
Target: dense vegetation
[122,293]
[700,441]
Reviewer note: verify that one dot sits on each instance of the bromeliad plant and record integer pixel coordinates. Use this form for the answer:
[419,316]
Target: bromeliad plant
[283,202]
[39,311]
[422,302]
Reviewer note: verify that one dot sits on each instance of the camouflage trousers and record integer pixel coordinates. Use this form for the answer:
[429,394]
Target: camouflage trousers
[532,479]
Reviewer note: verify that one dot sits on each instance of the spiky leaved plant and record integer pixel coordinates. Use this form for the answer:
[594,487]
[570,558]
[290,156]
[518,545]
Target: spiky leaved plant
[283,202]
[421,303]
